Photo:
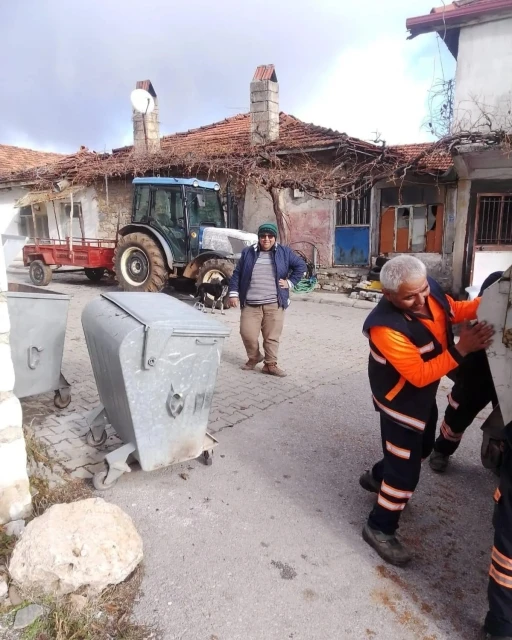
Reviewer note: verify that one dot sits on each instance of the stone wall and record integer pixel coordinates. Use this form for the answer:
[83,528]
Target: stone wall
[120,198]
[340,279]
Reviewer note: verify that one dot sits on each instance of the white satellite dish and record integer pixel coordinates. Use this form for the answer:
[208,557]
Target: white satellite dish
[142,101]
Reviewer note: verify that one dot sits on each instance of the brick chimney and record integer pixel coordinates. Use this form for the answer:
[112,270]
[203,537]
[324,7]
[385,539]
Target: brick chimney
[264,105]
[146,127]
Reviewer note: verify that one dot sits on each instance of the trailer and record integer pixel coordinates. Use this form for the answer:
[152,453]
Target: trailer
[45,256]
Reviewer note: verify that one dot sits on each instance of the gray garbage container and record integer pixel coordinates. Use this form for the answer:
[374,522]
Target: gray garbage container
[155,362]
[38,329]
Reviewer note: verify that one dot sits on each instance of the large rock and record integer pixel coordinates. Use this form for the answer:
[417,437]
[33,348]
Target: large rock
[90,544]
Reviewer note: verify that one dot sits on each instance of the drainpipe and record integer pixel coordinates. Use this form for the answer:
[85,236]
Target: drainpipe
[15,498]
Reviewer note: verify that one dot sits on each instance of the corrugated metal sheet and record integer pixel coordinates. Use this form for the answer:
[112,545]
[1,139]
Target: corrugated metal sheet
[34,197]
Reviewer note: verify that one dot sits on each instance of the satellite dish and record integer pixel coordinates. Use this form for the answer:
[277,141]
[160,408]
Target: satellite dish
[142,101]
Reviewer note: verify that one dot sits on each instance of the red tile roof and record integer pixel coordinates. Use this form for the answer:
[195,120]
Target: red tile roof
[18,159]
[232,137]
[438,160]
[456,14]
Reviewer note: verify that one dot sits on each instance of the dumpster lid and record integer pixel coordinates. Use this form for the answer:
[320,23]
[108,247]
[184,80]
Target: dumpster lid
[152,309]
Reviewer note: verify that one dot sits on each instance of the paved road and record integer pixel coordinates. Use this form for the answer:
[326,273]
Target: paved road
[265,544]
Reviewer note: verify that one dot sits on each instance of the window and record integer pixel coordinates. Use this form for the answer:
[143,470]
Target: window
[77,230]
[353,212]
[141,203]
[26,224]
[494,220]
[204,208]
[168,208]
[412,229]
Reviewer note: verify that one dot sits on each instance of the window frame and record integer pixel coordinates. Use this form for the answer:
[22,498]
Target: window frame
[500,246]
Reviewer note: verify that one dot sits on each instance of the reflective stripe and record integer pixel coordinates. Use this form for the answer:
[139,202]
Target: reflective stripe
[448,434]
[497,494]
[502,579]
[400,417]
[427,348]
[390,506]
[452,402]
[502,560]
[396,493]
[379,359]
[397,451]
[396,389]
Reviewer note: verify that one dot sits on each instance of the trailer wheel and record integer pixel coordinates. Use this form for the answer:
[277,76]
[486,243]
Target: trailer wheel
[40,273]
[94,275]
[140,264]
[215,269]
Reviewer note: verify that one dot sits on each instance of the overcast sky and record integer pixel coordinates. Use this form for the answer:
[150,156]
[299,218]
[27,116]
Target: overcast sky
[68,66]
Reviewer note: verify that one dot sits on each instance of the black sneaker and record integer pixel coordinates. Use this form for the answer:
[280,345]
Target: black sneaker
[438,462]
[387,546]
[368,482]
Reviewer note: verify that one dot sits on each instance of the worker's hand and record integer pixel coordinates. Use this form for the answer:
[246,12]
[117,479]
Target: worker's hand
[233,302]
[474,338]
[284,284]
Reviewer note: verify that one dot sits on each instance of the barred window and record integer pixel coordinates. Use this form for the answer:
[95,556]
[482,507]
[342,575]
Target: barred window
[494,220]
[350,212]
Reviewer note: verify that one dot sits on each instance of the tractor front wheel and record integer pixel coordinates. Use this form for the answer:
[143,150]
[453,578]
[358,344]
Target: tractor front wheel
[140,264]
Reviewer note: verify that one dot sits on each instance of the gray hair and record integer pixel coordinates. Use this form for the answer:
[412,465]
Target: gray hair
[401,269]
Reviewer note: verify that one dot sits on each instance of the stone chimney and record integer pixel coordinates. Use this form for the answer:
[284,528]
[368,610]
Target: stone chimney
[264,106]
[146,127]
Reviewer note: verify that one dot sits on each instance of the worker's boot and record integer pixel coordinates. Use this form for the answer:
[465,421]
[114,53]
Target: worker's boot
[250,365]
[368,482]
[438,462]
[387,546]
[271,369]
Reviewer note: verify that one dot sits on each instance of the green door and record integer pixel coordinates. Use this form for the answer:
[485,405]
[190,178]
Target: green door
[204,209]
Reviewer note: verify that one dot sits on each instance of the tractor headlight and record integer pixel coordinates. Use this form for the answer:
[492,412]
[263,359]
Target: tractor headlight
[195,183]
[217,187]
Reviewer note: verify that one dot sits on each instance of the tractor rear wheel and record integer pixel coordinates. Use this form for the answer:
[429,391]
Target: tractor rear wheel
[215,269]
[140,264]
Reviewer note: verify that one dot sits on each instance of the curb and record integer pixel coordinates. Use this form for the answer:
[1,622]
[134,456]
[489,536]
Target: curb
[342,302]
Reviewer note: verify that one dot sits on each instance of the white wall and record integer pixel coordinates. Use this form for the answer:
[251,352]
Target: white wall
[9,215]
[484,75]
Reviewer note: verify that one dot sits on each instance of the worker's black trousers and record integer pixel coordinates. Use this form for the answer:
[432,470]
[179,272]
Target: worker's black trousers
[472,392]
[399,470]
[499,619]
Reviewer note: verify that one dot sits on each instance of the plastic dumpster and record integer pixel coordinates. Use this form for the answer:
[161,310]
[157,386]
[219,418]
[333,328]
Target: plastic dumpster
[38,329]
[496,308]
[155,362]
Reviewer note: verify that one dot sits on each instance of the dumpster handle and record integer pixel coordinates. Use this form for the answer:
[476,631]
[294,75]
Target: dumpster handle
[33,356]
[206,342]
[175,404]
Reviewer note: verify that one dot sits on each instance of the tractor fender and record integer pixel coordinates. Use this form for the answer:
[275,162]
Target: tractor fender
[192,268]
[156,235]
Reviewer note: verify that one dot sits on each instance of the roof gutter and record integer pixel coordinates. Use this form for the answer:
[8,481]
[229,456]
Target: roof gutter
[453,18]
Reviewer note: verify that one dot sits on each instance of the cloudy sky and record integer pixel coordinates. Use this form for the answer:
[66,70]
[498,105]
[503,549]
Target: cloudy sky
[69,65]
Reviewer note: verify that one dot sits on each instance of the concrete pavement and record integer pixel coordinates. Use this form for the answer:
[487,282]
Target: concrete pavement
[265,544]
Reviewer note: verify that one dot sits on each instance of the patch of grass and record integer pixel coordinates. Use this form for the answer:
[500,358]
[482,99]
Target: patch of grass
[108,616]
[6,546]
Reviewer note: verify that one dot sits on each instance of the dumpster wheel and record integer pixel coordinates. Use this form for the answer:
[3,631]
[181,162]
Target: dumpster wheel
[62,400]
[98,481]
[208,458]
[93,442]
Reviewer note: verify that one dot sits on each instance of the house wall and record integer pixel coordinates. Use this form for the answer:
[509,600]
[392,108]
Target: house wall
[484,75]
[311,219]
[488,171]
[113,202]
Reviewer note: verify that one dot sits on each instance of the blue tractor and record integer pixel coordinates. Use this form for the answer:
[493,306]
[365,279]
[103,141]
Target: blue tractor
[178,230]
